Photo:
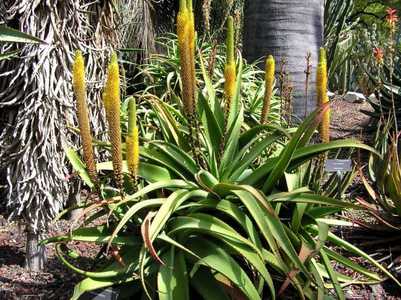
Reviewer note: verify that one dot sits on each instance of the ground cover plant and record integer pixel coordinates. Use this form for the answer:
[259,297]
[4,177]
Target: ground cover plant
[209,203]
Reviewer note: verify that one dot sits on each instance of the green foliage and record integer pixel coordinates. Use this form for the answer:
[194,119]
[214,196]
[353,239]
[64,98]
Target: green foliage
[196,230]
[8,34]
[388,83]
[11,35]
[353,28]
[385,174]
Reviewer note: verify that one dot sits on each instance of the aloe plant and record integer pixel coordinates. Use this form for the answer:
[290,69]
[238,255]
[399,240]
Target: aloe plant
[190,232]
[384,194]
[388,89]
[235,225]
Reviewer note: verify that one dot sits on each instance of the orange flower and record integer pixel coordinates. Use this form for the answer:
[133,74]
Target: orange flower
[391,17]
[379,55]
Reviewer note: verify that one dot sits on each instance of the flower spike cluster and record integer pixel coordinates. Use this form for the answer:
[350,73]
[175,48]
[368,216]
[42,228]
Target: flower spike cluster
[322,97]
[79,86]
[111,99]
[269,84]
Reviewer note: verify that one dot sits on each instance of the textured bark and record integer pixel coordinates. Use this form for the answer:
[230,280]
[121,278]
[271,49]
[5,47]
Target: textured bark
[289,29]
[36,101]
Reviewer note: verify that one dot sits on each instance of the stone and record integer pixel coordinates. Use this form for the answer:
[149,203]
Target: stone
[330,94]
[354,97]
[372,97]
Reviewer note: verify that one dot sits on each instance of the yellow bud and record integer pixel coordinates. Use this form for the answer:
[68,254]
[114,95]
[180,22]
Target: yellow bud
[230,67]
[79,86]
[322,97]
[269,84]
[229,84]
[133,152]
[132,140]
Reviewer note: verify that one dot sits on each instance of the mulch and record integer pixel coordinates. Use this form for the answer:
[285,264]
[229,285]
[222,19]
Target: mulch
[347,120]
[57,282]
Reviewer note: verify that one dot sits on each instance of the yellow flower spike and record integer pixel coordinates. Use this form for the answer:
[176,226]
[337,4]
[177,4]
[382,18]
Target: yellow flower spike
[192,45]
[132,140]
[322,97]
[269,84]
[230,67]
[186,58]
[79,86]
[111,98]
[191,25]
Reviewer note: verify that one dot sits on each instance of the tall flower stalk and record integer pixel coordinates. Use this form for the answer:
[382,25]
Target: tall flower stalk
[392,20]
[308,71]
[79,85]
[230,67]
[379,57]
[186,49]
[230,77]
[132,142]
[186,45]
[322,97]
[111,99]
[269,84]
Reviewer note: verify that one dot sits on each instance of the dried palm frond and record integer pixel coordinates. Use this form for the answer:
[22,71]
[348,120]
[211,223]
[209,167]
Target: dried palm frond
[36,103]
[141,22]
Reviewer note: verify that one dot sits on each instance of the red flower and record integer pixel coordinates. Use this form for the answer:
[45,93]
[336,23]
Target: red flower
[379,55]
[391,17]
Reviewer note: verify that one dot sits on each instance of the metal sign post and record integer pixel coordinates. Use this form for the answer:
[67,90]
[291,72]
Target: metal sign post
[339,166]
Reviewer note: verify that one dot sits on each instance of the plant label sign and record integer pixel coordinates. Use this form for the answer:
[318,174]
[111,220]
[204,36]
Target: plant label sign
[101,294]
[338,165]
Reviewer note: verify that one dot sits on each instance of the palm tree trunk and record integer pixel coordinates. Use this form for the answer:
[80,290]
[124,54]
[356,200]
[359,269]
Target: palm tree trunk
[286,29]
[35,259]
[36,104]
